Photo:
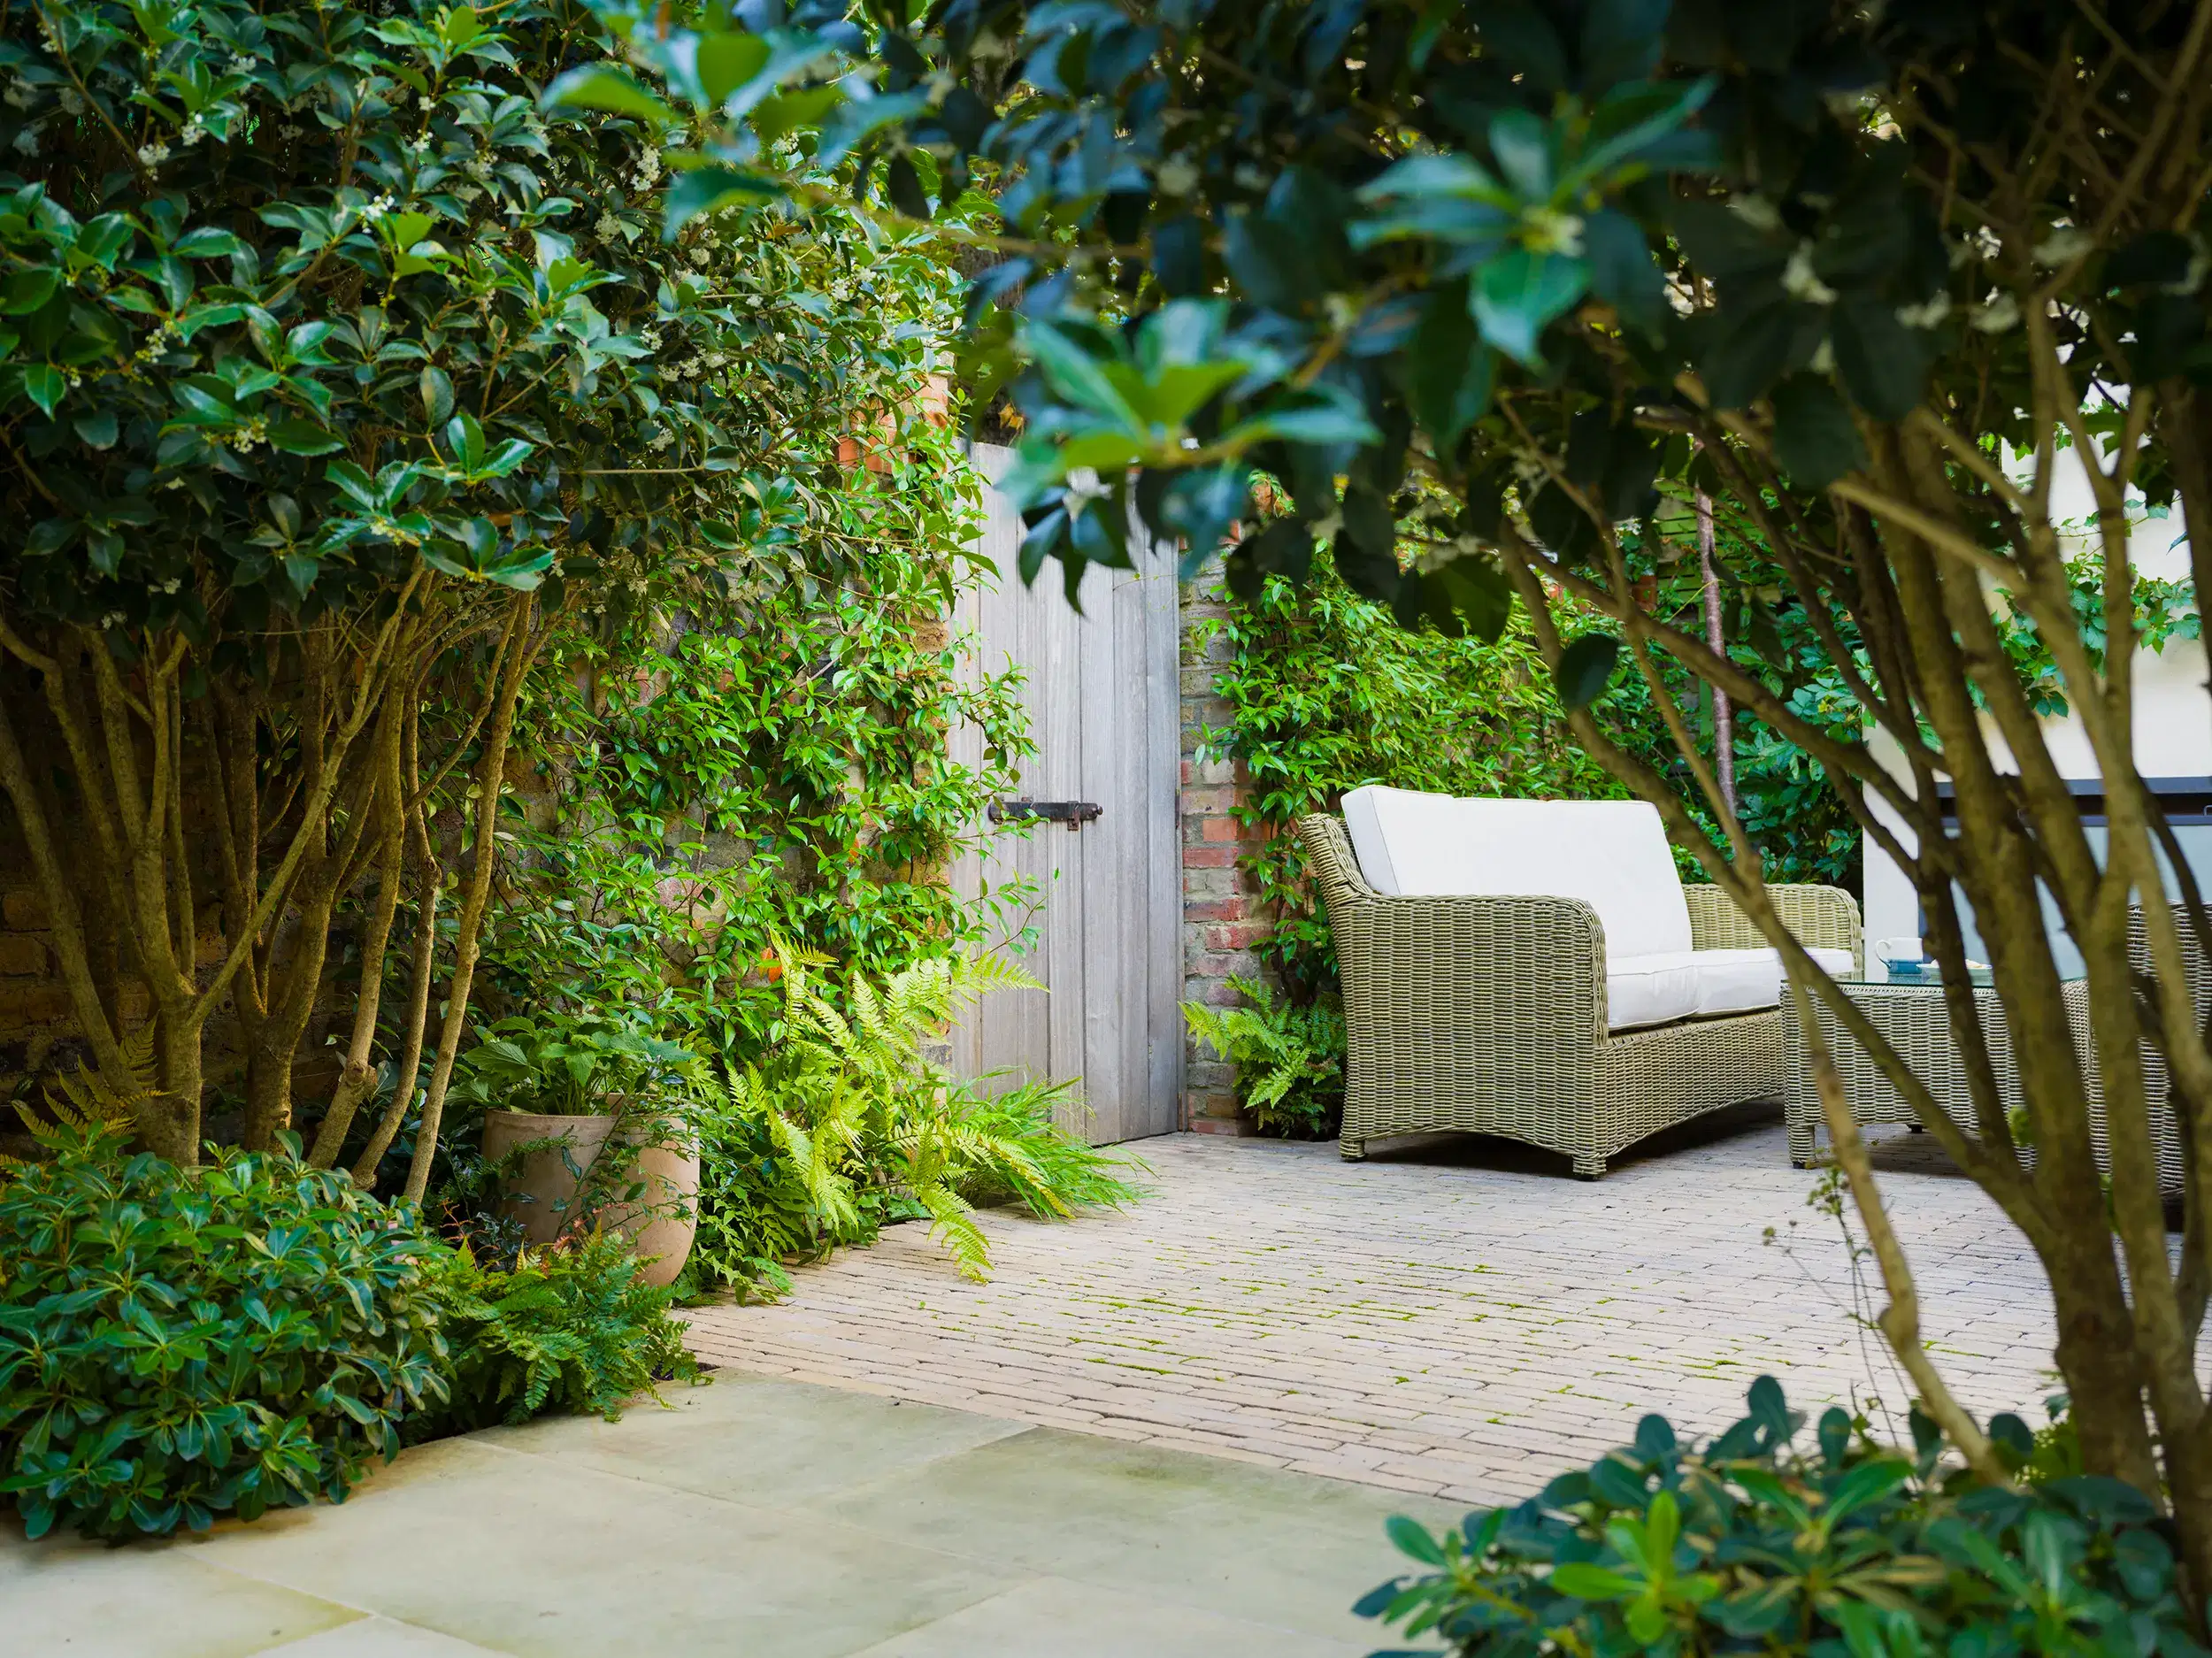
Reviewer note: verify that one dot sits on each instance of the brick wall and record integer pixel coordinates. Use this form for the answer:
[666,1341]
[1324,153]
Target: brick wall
[1220,919]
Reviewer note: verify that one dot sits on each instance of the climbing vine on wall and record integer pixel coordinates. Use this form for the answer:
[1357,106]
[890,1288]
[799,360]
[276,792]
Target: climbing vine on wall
[1327,693]
[709,778]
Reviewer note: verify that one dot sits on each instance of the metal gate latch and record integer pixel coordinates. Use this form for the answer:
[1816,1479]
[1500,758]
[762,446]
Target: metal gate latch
[1074,813]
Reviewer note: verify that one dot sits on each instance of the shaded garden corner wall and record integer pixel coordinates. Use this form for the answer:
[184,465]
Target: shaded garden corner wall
[1221,921]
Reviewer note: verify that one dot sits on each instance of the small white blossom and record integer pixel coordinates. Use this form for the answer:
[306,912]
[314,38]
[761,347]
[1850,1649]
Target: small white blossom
[1756,211]
[153,155]
[2062,245]
[1178,176]
[1928,314]
[71,102]
[20,96]
[242,64]
[26,141]
[1995,317]
[609,226]
[699,256]
[1799,282]
[427,102]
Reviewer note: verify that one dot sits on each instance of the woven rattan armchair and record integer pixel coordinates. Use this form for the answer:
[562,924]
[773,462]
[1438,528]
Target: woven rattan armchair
[1487,1014]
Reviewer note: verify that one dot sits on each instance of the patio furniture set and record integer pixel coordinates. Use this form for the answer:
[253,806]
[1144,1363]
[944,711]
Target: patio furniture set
[1538,970]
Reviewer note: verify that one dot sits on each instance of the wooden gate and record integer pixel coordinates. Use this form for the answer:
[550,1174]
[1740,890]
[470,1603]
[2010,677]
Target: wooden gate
[1103,930]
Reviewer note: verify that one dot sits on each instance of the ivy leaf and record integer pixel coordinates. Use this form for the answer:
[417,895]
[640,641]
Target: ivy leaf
[1584,668]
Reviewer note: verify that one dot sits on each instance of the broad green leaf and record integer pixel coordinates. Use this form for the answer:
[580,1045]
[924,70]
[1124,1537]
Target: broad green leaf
[302,437]
[45,385]
[1584,668]
[597,87]
[1518,294]
[1815,440]
[1413,1539]
[710,189]
[725,59]
[1587,1582]
[1883,364]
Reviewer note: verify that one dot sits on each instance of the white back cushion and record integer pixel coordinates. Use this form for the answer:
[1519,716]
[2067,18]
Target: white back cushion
[1611,854]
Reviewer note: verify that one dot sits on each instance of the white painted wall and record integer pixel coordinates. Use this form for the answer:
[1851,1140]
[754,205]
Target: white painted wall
[2173,731]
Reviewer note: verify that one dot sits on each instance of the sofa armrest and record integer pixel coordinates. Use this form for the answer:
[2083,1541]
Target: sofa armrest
[1823,918]
[1516,969]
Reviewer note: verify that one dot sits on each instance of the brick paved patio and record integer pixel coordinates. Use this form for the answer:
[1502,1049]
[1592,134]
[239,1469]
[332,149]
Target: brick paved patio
[1459,1318]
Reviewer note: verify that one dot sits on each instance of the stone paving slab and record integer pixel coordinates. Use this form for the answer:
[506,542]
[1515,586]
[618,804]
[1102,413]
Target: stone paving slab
[1454,1317]
[756,1517]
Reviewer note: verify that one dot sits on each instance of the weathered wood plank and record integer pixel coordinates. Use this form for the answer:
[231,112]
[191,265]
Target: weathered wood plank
[1102,695]
[1164,857]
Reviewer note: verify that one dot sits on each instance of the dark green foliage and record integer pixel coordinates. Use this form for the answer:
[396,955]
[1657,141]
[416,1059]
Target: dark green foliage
[1326,692]
[568,1329]
[1754,1541]
[178,1344]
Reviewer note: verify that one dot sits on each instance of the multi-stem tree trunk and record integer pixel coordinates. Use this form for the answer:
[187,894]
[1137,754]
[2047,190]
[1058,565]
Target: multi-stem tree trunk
[284,793]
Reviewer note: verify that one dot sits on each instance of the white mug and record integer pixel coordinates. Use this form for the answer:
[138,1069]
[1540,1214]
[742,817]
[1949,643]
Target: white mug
[1906,951]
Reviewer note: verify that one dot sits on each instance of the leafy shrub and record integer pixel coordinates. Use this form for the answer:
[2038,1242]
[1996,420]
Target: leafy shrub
[569,1329]
[1289,1060]
[179,1343]
[1752,1542]
[851,1122]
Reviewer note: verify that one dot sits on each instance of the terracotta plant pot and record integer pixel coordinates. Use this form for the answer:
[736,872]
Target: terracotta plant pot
[541,1191]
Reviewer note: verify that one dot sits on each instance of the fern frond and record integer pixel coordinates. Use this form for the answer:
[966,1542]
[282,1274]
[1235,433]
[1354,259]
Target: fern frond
[952,1222]
[90,1097]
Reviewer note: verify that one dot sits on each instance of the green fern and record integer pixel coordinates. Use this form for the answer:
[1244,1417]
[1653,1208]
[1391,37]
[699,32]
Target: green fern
[91,1098]
[865,1120]
[1289,1060]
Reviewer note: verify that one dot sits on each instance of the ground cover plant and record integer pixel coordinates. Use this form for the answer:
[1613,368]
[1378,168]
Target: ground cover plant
[1756,1540]
[177,1345]
[1881,277]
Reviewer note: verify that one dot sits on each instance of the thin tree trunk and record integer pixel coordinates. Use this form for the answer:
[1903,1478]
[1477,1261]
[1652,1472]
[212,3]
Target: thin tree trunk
[491,774]
[1716,639]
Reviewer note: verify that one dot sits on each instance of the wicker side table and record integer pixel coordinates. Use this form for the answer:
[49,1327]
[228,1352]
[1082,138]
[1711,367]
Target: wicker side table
[1913,1018]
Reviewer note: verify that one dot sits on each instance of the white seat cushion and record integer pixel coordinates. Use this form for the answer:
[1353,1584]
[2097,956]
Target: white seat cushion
[1737,981]
[1642,990]
[1655,989]
[1610,854]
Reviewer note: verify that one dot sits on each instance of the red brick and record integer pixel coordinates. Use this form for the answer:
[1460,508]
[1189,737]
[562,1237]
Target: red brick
[1220,1125]
[21,956]
[1219,830]
[25,911]
[1208,857]
[1240,935]
[27,1002]
[1216,910]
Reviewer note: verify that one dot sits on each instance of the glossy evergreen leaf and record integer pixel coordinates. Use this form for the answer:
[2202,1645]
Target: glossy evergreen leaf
[1585,667]
[1816,440]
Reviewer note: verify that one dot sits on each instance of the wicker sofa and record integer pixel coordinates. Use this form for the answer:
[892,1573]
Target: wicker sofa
[1477,1000]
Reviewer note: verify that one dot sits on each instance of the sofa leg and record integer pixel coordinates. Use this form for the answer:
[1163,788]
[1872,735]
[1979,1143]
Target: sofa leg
[1589,1168]
[1352,1150]
[1800,1147]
